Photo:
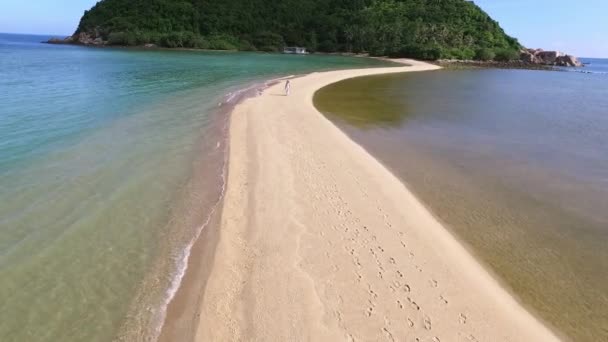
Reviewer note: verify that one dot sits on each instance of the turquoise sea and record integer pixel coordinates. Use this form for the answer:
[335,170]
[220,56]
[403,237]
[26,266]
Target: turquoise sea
[110,162]
[513,162]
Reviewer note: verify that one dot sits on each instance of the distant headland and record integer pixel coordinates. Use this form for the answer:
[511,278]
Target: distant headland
[449,29]
[440,30]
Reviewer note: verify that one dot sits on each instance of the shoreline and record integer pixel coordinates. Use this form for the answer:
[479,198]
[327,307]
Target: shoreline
[181,309]
[447,64]
[268,235]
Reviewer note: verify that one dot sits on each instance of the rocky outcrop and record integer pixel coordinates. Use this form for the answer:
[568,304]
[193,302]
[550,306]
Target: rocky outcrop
[554,58]
[568,61]
[86,39]
[66,40]
[82,38]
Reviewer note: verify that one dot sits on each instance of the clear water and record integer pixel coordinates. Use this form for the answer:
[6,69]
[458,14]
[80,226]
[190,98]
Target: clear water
[110,160]
[514,162]
[592,66]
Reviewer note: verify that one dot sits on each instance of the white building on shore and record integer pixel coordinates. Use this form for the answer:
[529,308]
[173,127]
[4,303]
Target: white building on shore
[295,50]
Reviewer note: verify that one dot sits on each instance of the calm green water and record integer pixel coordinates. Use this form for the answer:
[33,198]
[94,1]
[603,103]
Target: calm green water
[515,163]
[110,163]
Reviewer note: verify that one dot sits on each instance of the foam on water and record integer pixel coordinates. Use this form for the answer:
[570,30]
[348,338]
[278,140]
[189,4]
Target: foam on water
[230,101]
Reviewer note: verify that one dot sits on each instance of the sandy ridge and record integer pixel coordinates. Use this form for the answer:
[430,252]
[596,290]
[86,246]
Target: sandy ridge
[320,242]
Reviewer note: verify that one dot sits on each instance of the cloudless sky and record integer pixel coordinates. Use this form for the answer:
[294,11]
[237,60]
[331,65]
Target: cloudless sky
[576,27]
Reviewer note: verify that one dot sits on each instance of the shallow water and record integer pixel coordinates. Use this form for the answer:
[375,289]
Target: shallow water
[515,163]
[110,161]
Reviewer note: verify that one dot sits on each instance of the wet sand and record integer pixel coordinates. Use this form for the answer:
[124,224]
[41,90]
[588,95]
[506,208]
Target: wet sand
[318,241]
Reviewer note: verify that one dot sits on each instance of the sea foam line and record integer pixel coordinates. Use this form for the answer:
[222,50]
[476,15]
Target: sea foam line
[183,259]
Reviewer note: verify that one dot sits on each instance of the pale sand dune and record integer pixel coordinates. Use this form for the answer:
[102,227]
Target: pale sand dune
[319,242]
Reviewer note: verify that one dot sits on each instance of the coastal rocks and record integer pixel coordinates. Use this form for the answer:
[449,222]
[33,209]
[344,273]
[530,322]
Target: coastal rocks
[82,38]
[66,40]
[86,39]
[568,61]
[555,58]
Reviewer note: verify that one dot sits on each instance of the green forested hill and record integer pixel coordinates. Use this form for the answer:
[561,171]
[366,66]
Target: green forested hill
[428,29]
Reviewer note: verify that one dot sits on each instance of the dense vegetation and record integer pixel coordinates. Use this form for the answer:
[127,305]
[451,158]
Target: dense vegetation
[426,29]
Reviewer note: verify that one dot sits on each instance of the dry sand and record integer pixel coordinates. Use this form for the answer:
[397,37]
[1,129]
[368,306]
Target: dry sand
[320,242]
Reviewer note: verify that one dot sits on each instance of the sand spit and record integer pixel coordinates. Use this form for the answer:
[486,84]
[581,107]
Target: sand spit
[320,242]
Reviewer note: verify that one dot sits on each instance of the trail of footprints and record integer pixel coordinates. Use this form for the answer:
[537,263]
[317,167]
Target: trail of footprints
[361,239]
[360,244]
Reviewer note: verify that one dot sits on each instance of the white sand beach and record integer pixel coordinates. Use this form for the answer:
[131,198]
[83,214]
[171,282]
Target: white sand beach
[318,241]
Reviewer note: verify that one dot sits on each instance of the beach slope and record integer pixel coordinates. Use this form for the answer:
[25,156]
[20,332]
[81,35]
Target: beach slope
[320,242]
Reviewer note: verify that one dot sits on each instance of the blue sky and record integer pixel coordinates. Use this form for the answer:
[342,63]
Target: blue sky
[576,27]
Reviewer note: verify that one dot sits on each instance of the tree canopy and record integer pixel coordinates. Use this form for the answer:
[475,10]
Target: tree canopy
[426,29]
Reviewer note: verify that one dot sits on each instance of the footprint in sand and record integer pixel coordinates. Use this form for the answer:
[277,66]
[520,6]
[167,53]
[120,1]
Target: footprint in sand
[443,300]
[371,292]
[410,323]
[427,323]
[389,335]
[433,282]
[462,319]
[413,304]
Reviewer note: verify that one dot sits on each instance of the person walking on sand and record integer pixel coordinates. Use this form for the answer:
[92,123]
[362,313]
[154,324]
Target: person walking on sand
[287,88]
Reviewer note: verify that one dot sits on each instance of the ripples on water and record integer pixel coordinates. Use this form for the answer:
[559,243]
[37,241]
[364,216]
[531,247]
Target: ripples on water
[110,161]
[514,162]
